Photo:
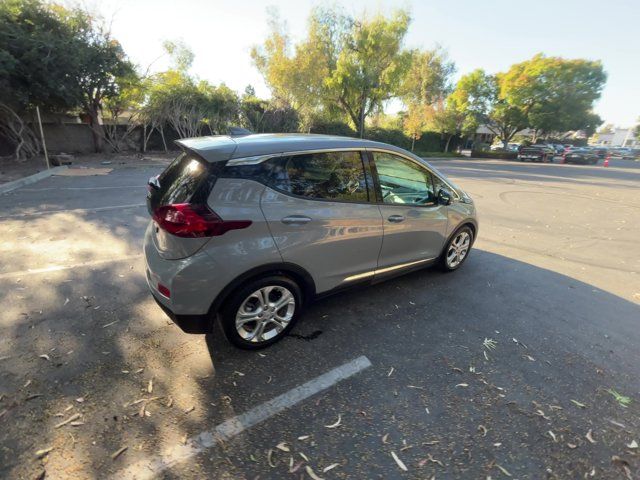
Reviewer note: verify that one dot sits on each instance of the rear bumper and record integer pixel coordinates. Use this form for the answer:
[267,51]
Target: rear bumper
[188,323]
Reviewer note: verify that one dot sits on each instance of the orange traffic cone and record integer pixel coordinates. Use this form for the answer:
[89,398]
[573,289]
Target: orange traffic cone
[606,160]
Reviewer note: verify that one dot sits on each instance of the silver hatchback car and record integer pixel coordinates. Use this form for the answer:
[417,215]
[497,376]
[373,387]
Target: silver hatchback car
[250,229]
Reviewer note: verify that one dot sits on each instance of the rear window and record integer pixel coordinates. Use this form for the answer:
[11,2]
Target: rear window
[180,181]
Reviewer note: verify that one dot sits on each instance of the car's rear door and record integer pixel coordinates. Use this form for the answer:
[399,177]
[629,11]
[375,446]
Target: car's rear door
[415,224]
[319,212]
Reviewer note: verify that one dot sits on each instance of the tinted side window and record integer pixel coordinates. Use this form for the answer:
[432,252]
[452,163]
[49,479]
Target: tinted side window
[402,181]
[328,176]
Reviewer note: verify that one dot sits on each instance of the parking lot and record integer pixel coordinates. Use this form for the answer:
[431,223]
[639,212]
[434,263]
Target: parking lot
[517,365]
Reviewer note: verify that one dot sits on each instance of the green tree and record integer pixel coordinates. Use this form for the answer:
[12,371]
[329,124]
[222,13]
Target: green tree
[35,67]
[553,93]
[428,79]
[58,59]
[344,65]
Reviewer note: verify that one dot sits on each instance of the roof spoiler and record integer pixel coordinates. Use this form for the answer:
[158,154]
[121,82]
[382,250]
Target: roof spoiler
[239,132]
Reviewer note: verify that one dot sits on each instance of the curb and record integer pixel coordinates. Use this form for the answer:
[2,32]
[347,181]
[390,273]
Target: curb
[21,182]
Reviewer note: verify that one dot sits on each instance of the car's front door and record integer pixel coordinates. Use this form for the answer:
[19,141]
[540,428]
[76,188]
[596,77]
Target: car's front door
[318,209]
[415,224]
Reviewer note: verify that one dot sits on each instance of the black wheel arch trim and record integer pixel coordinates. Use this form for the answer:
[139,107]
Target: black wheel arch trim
[299,274]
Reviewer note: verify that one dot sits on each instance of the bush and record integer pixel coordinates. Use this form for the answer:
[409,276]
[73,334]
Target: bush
[499,155]
[332,127]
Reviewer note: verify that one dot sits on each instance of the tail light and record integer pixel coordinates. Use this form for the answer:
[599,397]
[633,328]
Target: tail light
[194,221]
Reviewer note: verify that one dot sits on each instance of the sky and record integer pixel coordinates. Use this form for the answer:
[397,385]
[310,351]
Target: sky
[488,34]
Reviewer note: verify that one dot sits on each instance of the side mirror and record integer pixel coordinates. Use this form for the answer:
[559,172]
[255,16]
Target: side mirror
[445,197]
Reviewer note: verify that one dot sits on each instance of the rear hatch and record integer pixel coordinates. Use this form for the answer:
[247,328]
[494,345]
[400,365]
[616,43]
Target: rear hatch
[177,195]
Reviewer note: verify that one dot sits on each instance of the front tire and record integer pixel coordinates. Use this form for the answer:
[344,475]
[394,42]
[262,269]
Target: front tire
[457,249]
[261,312]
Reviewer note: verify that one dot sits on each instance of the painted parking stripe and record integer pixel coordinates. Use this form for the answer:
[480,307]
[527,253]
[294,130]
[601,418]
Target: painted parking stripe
[152,468]
[58,268]
[74,210]
[46,189]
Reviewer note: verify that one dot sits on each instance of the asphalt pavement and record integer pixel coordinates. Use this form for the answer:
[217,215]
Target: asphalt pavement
[522,364]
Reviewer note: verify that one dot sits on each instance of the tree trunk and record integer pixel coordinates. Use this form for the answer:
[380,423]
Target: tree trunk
[413,141]
[97,130]
[164,142]
[446,147]
[505,142]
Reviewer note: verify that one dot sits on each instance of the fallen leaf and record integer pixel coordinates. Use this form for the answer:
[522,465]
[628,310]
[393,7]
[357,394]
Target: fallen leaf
[169,401]
[482,429]
[336,424]
[579,404]
[283,446]
[117,453]
[622,463]
[553,435]
[68,420]
[330,467]
[45,356]
[633,444]
[189,410]
[462,385]
[150,386]
[76,424]
[571,446]
[296,467]
[80,399]
[270,458]
[390,372]
[303,437]
[384,438]
[311,473]
[43,452]
[65,302]
[399,462]
[503,470]
[589,437]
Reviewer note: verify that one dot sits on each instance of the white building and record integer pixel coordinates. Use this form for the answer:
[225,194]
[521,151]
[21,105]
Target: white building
[620,137]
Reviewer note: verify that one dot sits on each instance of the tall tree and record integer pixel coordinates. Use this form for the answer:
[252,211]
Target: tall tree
[35,66]
[555,94]
[345,65]
[101,67]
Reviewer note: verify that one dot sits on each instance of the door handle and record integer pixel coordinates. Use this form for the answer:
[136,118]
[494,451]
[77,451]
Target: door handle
[295,220]
[396,218]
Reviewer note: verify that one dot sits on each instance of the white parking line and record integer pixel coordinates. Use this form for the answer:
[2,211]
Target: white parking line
[152,468]
[80,188]
[58,268]
[73,210]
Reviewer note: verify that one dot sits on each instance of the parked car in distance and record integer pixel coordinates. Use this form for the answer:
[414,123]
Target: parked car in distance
[626,153]
[536,153]
[248,230]
[582,156]
[601,152]
[511,147]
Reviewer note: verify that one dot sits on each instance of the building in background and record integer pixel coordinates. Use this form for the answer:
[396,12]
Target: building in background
[620,137]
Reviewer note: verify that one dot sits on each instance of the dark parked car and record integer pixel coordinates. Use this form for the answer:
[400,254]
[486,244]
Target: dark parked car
[601,152]
[582,156]
[536,153]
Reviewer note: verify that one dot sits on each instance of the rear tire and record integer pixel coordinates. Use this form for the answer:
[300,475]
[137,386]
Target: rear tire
[457,249]
[261,312]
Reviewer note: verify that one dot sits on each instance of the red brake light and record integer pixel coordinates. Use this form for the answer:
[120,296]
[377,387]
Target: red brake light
[193,221]
[164,290]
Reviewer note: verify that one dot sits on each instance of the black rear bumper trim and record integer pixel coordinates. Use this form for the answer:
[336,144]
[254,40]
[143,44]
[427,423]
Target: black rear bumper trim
[197,324]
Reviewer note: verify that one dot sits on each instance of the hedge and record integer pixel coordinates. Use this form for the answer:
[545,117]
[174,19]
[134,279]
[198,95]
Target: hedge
[495,154]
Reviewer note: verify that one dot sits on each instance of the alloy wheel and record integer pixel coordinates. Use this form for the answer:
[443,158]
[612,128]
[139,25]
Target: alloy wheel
[458,249]
[265,313]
